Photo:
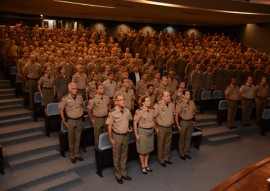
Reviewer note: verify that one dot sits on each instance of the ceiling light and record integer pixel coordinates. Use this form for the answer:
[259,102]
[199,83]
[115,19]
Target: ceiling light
[84,4]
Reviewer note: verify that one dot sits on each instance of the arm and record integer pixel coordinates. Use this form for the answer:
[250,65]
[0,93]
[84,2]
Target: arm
[110,135]
[90,114]
[176,122]
[63,118]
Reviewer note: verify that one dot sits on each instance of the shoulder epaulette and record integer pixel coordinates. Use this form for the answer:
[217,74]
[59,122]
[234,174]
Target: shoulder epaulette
[65,96]
[112,110]
[139,109]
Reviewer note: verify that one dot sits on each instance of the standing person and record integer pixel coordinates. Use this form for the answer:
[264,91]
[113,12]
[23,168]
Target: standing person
[232,97]
[110,86]
[46,87]
[247,93]
[143,129]
[80,79]
[71,111]
[261,98]
[184,115]
[163,87]
[164,118]
[90,90]
[61,83]
[178,94]
[118,130]
[98,109]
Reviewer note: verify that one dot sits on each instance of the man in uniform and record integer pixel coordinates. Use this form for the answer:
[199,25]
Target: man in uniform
[232,97]
[163,87]
[196,80]
[32,73]
[53,65]
[90,90]
[151,93]
[261,98]
[172,82]
[184,115]
[71,111]
[141,86]
[98,109]
[164,117]
[110,86]
[247,93]
[80,79]
[118,129]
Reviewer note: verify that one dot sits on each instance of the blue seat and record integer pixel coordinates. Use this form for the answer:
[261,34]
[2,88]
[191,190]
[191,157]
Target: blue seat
[217,94]
[52,118]
[206,95]
[222,105]
[165,73]
[18,86]
[104,142]
[222,111]
[205,101]
[37,110]
[14,70]
[12,76]
[265,121]
[179,79]
[87,133]
[85,104]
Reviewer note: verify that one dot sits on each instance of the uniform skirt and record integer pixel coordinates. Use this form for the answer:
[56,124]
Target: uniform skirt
[47,96]
[146,144]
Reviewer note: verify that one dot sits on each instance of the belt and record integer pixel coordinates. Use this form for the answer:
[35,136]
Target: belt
[146,128]
[262,97]
[163,126]
[101,117]
[74,118]
[233,100]
[32,79]
[186,120]
[248,98]
[120,133]
[47,88]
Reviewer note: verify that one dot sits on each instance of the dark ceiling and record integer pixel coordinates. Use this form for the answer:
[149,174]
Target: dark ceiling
[199,12]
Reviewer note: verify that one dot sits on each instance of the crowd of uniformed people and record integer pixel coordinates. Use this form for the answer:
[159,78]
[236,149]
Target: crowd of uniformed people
[134,77]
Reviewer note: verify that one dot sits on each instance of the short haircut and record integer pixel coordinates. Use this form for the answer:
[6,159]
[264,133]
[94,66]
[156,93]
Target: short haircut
[70,85]
[149,85]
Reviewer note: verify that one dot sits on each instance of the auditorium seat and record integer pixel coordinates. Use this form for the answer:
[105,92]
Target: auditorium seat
[38,110]
[18,86]
[1,161]
[52,118]
[217,95]
[13,73]
[265,121]
[222,111]
[205,101]
[179,79]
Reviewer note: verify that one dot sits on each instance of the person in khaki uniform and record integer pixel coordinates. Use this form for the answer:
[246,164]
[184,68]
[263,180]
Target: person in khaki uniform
[150,92]
[178,94]
[110,86]
[184,113]
[127,93]
[172,82]
[261,95]
[80,79]
[164,118]
[42,57]
[53,65]
[90,90]
[20,65]
[71,111]
[32,73]
[232,98]
[162,88]
[98,109]
[118,130]
[247,93]
[46,87]
[144,125]
[141,86]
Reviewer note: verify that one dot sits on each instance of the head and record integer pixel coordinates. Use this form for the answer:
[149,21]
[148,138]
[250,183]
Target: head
[79,68]
[182,85]
[233,81]
[249,80]
[136,68]
[32,58]
[164,81]
[187,94]
[150,88]
[47,71]
[119,101]
[95,77]
[172,74]
[166,97]
[110,76]
[100,89]
[144,76]
[146,101]
[72,89]
[263,80]
[125,83]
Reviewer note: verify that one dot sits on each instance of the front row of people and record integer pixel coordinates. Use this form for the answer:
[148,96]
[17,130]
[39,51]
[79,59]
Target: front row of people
[147,121]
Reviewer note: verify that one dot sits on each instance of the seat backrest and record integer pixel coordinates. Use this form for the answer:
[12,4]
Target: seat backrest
[165,73]
[222,105]
[132,138]
[87,122]
[217,94]
[37,98]
[53,109]
[85,104]
[18,79]
[266,114]
[189,87]
[206,95]
[179,79]
[104,142]
[14,70]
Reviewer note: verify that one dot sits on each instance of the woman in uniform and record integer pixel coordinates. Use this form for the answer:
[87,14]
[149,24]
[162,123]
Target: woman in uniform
[143,129]
[46,87]
[61,83]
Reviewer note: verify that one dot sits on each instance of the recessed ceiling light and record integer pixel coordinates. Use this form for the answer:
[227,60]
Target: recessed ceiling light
[84,4]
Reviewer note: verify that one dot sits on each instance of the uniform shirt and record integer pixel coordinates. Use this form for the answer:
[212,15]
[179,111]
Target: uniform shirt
[232,92]
[119,120]
[160,91]
[262,90]
[91,89]
[46,82]
[42,58]
[80,80]
[178,96]
[21,63]
[72,106]
[129,97]
[33,70]
[152,98]
[53,66]
[145,117]
[141,87]
[164,113]
[247,91]
[155,83]
[70,69]
[172,83]
[100,105]
[110,88]
[186,109]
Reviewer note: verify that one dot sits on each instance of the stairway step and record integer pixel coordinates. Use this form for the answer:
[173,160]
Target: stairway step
[11,107]
[11,101]
[254,129]
[224,138]
[207,124]
[21,138]
[15,113]
[4,82]
[38,174]
[7,90]
[58,183]
[18,129]
[17,120]
[7,95]
[34,159]
[28,148]
[4,85]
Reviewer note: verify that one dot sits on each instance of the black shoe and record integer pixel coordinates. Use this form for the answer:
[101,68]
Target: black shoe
[73,160]
[148,169]
[126,177]
[188,157]
[119,181]
[183,157]
[163,164]
[144,171]
[79,158]
[168,162]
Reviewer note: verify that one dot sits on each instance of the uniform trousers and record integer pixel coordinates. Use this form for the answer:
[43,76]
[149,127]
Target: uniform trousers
[261,104]
[74,137]
[247,105]
[164,140]
[99,128]
[185,137]
[120,152]
[33,88]
[232,109]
